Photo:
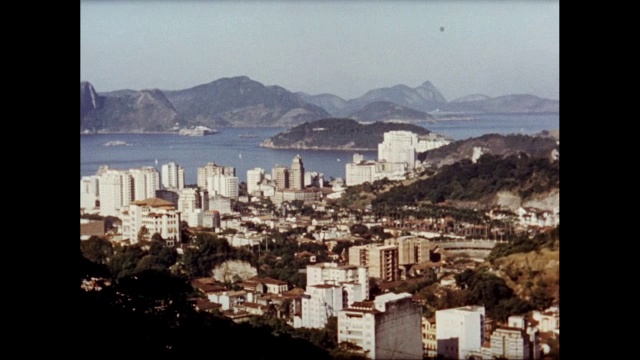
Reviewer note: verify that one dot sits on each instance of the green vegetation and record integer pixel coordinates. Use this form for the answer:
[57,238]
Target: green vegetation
[524,244]
[491,291]
[504,145]
[338,133]
[154,317]
[465,180]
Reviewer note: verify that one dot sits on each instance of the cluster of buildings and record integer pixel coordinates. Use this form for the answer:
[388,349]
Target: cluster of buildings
[389,326]
[396,157]
[159,200]
[465,332]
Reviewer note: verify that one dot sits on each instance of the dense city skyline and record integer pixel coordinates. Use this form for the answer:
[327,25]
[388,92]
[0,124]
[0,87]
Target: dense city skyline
[489,47]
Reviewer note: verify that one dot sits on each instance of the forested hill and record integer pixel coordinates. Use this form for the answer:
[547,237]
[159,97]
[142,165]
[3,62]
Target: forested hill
[495,144]
[467,181]
[337,134]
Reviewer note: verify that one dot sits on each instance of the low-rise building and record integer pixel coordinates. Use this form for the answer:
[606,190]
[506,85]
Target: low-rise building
[156,215]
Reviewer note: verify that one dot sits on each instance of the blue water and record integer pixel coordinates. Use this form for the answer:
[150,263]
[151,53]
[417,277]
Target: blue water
[226,148]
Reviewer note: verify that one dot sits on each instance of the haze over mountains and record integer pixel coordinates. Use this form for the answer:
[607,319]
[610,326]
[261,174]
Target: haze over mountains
[242,102]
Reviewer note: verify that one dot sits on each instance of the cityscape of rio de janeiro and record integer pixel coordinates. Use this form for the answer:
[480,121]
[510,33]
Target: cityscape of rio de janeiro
[320,180]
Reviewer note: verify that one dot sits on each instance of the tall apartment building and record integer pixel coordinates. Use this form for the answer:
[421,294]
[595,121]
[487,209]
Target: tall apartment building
[211,169]
[172,176]
[280,175]
[314,179]
[411,249]
[354,279]
[115,189]
[460,331]
[330,288]
[254,178]
[510,343]
[388,327]
[382,261]
[192,203]
[429,342]
[156,215]
[146,181]
[224,185]
[360,173]
[89,192]
[220,204]
[296,179]
[399,147]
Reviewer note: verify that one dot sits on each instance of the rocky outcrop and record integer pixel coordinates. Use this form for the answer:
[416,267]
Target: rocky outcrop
[231,270]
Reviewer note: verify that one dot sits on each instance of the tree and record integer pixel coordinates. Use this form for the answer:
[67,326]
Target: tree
[142,233]
[97,249]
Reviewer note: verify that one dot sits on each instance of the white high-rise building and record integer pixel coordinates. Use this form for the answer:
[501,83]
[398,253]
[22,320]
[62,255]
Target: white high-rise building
[172,176]
[193,203]
[89,192]
[360,173]
[211,169]
[390,327]
[146,181]
[330,288]
[254,178]
[399,147]
[220,204]
[225,185]
[460,331]
[297,173]
[319,302]
[115,189]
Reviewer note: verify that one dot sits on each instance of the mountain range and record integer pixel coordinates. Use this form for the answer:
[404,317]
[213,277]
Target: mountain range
[242,102]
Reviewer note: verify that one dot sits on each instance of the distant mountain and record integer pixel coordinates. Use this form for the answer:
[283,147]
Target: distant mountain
[474,97]
[331,103]
[131,111]
[423,98]
[385,110]
[240,101]
[427,98]
[337,134]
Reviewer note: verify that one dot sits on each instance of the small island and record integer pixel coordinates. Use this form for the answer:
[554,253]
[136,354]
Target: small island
[337,134]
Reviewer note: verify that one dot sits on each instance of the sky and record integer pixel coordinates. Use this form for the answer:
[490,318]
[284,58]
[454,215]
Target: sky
[344,48]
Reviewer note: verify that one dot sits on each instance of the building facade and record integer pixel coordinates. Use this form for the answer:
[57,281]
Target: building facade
[224,185]
[381,261]
[156,215]
[115,191]
[399,147]
[280,176]
[172,176]
[146,181]
[211,169]
[387,328]
[297,173]
[460,331]
[254,178]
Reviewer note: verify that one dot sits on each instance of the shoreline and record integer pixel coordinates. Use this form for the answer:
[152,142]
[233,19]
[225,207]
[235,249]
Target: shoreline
[313,148]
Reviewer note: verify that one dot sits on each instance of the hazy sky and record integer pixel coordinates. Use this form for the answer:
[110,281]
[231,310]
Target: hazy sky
[345,48]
